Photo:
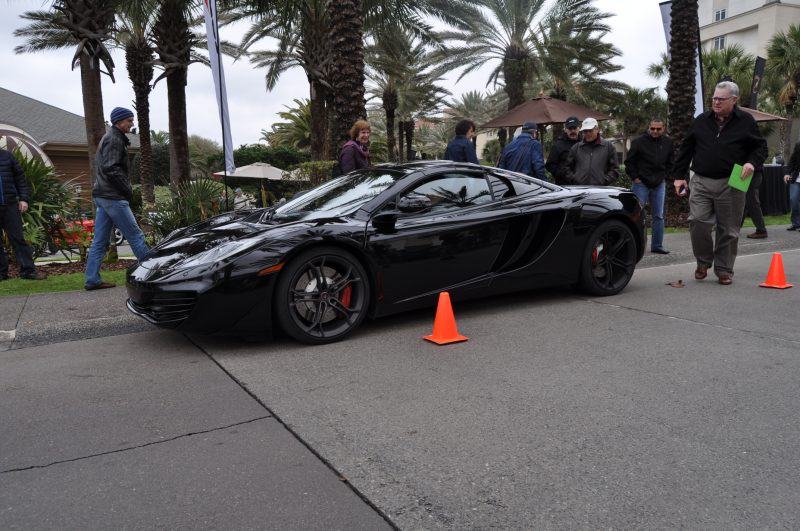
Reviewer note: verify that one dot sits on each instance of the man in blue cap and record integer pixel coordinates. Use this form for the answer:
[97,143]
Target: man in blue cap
[524,154]
[112,194]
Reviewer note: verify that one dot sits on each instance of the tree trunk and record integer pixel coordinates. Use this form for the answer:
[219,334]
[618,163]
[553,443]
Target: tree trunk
[409,130]
[179,166]
[681,85]
[138,57]
[92,107]
[400,129]
[390,106]
[347,65]
[502,137]
[514,74]
[319,120]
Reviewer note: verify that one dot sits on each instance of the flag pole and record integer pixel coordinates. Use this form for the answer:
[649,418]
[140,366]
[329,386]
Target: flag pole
[212,32]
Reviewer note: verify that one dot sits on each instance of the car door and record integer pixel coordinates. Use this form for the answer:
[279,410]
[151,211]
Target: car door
[451,243]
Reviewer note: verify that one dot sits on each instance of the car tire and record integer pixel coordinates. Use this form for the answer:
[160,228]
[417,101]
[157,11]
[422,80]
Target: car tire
[118,237]
[609,259]
[322,295]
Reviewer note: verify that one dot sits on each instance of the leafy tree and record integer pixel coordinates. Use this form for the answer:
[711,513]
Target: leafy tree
[295,131]
[783,65]
[634,115]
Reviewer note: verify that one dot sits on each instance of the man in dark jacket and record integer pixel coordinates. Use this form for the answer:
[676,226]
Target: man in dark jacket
[461,148]
[524,154]
[649,160]
[112,193]
[13,203]
[592,161]
[557,158]
[718,139]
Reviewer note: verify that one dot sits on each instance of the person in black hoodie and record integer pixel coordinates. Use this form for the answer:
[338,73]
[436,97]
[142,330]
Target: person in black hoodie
[557,158]
[13,203]
[649,160]
[112,193]
[717,140]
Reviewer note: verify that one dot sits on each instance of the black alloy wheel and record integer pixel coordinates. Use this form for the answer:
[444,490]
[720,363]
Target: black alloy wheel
[322,295]
[609,259]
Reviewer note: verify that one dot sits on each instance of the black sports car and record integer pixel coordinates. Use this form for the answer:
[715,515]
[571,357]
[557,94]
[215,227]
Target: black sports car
[385,240]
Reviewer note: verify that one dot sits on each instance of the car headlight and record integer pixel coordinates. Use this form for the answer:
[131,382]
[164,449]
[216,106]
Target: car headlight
[221,252]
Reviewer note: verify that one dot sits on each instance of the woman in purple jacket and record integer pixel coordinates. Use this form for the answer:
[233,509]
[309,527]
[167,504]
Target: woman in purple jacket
[355,152]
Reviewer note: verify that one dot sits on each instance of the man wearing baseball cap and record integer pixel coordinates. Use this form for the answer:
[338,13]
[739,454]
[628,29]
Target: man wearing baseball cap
[592,161]
[111,193]
[524,154]
[557,159]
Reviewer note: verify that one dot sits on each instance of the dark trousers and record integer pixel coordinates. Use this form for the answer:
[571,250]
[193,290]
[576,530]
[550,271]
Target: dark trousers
[11,222]
[752,204]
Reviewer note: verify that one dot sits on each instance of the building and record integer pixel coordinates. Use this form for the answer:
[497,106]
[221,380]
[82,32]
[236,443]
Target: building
[59,133]
[748,23]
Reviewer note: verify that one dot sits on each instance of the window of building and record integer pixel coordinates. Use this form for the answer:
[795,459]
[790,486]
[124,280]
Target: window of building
[720,15]
[719,42]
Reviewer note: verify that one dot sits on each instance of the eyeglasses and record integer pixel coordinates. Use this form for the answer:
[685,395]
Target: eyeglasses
[656,128]
[720,100]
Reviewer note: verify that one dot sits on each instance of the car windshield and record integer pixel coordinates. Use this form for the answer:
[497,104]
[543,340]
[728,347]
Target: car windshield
[339,197]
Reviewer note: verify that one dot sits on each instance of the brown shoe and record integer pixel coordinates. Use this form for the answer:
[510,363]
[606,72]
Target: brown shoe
[102,285]
[757,235]
[36,275]
[701,272]
[725,280]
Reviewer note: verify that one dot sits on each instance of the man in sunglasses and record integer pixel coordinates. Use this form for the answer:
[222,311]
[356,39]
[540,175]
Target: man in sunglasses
[717,140]
[649,160]
[557,158]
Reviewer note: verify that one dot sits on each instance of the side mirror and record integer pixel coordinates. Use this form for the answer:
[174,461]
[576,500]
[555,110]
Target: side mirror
[412,203]
[385,221]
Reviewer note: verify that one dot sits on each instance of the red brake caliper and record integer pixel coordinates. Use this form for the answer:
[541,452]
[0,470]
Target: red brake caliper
[346,296]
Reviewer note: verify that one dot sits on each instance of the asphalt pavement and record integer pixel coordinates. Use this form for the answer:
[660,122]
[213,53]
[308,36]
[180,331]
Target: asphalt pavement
[659,407]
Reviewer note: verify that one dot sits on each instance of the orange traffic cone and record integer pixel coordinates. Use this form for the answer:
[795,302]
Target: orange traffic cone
[776,278]
[444,326]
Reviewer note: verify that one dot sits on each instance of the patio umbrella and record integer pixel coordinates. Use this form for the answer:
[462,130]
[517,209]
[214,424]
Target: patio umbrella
[761,116]
[543,110]
[261,171]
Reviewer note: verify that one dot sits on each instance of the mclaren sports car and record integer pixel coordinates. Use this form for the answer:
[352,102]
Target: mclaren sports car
[384,240]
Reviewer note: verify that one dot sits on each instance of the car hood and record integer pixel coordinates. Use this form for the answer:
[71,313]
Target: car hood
[217,241]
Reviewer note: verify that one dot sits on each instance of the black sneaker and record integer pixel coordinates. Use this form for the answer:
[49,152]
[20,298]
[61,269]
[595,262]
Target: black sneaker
[793,227]
[38,275]
[3,277]
[659,251]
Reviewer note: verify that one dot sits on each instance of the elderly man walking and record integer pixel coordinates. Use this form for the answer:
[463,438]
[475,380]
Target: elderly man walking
[718,139]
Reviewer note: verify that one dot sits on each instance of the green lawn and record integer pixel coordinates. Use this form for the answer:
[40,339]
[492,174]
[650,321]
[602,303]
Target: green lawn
[71,282]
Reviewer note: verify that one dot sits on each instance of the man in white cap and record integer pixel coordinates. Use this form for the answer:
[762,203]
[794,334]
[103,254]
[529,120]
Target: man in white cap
[112,194]
[592,161]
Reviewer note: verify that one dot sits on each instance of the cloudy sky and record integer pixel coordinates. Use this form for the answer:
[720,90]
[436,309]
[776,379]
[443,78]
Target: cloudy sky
[636,31]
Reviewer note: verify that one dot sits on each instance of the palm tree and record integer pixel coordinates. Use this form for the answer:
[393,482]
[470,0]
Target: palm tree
[783,65]
[529,42]
[683,52]
[136,21]
[173,42]
[684,31]
[86,24]
[730,62]
[296,130]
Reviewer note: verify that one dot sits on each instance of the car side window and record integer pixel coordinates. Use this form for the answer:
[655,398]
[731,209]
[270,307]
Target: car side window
[452,191]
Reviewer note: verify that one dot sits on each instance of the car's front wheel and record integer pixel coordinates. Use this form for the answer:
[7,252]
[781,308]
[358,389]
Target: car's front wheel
[322,295]
[609,259]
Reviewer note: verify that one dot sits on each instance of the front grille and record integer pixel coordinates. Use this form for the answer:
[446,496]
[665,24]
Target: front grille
[166,308]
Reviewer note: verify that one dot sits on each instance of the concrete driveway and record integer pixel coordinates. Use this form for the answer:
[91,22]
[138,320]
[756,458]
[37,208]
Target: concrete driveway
[660,407]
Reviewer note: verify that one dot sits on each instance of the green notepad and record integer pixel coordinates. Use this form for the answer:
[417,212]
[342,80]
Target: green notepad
[736,181]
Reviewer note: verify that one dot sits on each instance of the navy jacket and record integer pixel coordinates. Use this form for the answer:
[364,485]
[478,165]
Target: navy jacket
[13,186]
[460,149]
[524,155]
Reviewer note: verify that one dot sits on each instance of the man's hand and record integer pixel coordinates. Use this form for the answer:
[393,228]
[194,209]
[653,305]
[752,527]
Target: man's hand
[680,187]
[786,178]
[747,170]
[23,207]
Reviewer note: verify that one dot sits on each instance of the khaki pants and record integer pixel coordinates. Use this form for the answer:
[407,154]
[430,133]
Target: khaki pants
[712,202]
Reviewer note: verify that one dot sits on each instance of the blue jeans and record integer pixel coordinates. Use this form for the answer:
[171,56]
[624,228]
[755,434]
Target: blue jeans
[111,212]
[654,196]
[794,203]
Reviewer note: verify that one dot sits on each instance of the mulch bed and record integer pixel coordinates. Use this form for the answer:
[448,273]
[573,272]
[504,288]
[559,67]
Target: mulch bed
[70,267]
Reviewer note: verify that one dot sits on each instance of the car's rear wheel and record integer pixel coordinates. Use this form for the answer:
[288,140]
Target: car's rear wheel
[609,259]
[322,295]
[118,237]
